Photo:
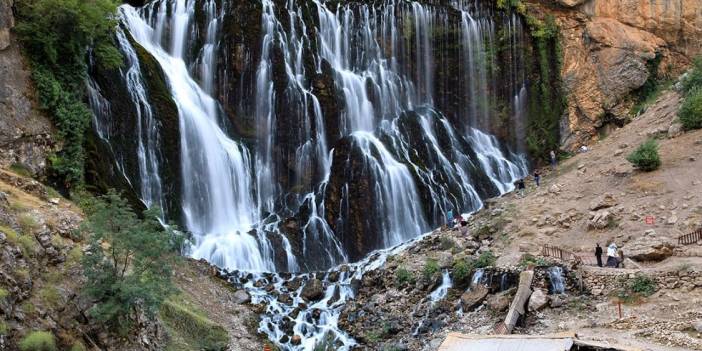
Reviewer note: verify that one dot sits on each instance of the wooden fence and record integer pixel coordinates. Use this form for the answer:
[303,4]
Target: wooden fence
[692,238]
[565,255]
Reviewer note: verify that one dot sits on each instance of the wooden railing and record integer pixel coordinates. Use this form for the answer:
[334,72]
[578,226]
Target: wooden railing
[565,255]
[692,238]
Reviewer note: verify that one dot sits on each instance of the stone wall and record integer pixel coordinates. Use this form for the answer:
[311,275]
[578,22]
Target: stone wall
[603,281]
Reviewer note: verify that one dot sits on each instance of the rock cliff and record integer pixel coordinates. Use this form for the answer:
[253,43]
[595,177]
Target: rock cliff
[25,134]
[613,51]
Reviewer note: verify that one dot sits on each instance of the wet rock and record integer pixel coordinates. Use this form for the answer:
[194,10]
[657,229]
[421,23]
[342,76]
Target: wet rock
[557,301]
[538,300]
[649,248]
[473,297]
[313,290]
[604,201]
[241,297]
[500,302]
[285,299]
[296,340]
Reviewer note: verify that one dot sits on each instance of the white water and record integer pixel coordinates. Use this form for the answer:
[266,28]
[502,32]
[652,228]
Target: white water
[556,279]
[440,292]
[217,202]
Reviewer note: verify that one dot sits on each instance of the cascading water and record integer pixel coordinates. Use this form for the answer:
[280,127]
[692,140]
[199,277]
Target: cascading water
[281,196]
[556,280]
[440,292]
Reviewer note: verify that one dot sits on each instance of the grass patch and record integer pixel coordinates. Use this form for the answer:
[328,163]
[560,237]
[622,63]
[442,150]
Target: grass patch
[531,260]
[28,244]
[447,243]
[10,235]
[38,341]
[4,293]
[27,223]
[633,290]
[21,170]
[50,296]
[3,327]
[190,329]
[74,256]
[486,259]
[78,346]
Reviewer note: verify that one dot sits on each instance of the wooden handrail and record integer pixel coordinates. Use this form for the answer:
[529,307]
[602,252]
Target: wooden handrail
[691,238]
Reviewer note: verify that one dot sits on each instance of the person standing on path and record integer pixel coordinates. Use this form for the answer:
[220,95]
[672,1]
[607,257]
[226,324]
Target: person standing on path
[537,177]
[598,254]
[449,219]
[612,255]
[520,187]
[554,161]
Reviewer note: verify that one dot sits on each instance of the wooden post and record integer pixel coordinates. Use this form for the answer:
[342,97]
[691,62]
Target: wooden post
[619,304]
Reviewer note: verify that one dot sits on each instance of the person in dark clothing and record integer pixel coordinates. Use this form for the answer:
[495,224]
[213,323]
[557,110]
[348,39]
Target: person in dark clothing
[520,187]
[537,178]
[598,254]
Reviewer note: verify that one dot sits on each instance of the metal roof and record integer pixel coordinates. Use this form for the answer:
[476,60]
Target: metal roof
[461,342]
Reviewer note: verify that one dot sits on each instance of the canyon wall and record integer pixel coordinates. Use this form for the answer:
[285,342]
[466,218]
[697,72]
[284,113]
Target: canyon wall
[613,52]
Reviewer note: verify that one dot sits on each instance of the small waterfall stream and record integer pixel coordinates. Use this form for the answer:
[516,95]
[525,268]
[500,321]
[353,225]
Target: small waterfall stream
[556,280]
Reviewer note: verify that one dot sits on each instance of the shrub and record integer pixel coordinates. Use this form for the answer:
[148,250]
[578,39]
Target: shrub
[4,293]
[447,243]
[690,113]
[129,260]
[78,346]
[403,276]
[38,341]
[486,259]
[431,268]
[10,235]
[3,327]
[531,260]
[646,157]
[643,285]
[28,244]
[28,223]
[21,169]
[693,80]
[461,271]
[50,295]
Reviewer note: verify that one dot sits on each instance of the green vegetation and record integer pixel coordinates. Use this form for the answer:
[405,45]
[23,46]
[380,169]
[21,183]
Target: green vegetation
[486,259]
[462,271]
[55,35]
[690,113]
[190,329]
[27,223]
[4,293]
[28,244]
[693,80]
[531,260]
[431,269]
[633,290]
[21,169]
[78,346]
[447,243]
[10,235]
[38,341]
[545,109]
[3,327]
[50,295]
[403,276]
[652,88]
[646,157]
[129,261]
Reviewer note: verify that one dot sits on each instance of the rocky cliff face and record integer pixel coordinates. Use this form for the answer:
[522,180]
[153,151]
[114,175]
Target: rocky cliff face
[613,50]
[25,134]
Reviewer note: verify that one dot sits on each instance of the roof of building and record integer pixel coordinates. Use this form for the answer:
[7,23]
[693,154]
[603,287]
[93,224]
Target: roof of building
[552,342]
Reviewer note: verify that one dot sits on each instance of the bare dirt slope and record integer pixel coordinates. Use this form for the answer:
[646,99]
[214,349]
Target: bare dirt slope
[558,212]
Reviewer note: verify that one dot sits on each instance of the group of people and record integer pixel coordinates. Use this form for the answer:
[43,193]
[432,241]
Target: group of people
[460,220]
[615,257]
[521,185]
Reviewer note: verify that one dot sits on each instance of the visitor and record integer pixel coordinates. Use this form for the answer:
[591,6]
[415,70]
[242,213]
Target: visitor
[554,162]
[464,226]
[449,218]
[612,255]
[537,177]
[520,187]
[620,262]
[598,254]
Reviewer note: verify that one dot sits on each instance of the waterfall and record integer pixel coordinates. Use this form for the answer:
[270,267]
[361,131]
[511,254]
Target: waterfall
[441,291]
[218,207]
[258,200]
[556,280]
[477,277]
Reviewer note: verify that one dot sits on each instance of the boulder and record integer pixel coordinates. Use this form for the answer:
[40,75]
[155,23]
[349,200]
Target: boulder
[473,297]
[570,3]
[599,219]
[604,201]
[296,340]
[500,302]
[538,300]
[313,290]
[697,325]
[675,130]
[649,248]
[241,296]
[557,301]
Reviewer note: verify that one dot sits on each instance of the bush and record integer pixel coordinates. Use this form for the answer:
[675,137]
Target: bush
[486,259]
[4,294]
[431,269]
[531,260]
[28,244]
[646,157]
[693,80]
[38,341]
[50,296]
[10,235]
[447,243]
[27,223]
[690,113]
[643,285]
[403,276]
[3,327]
[129,260]
[461,271]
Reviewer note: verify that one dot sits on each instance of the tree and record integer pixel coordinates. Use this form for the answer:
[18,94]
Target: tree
[690,113]
[129,260]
